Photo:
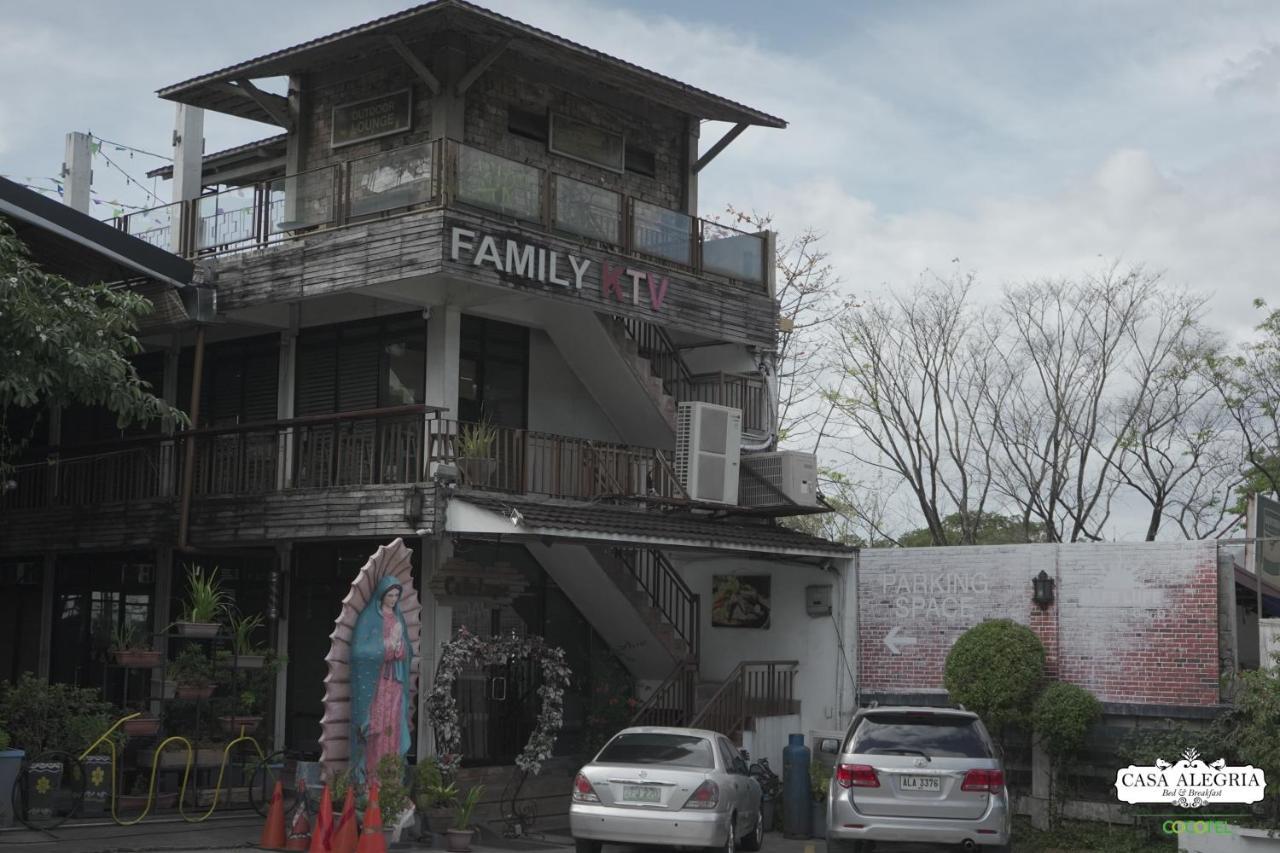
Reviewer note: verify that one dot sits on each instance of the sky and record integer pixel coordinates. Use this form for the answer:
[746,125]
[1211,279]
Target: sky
[1011,140]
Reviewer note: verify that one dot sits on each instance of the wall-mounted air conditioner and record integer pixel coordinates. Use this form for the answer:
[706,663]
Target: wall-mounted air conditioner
[781,478]
[707,449]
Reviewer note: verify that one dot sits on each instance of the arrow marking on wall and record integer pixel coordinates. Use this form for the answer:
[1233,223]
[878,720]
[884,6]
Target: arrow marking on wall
[895,643]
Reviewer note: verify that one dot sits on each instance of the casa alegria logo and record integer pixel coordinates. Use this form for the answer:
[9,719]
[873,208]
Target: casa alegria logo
[1190,783]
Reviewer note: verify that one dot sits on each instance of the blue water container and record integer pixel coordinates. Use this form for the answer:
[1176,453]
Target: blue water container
[796,797]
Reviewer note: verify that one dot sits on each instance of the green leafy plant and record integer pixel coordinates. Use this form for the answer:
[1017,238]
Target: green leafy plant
[465,806]
[1062,717]
[819,781]
[40,717]
[613,702]
[206,600]
[242,630]
[475,441]
[128,637]
[393,794]
[192,667]
[4,740]
[996,669]
[430,791]
[339,784]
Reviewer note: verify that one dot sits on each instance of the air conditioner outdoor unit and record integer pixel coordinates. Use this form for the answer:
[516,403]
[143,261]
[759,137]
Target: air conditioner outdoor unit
[707,449]
[781,478]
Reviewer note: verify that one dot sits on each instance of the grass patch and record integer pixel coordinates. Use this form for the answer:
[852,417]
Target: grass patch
[1094,837]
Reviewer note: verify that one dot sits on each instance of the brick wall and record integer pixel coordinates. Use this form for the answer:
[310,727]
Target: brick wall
[1132,622]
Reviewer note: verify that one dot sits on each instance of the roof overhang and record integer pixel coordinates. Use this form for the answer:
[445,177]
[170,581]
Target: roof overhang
[516,518]
[82,249]
[242,164]
[225,90]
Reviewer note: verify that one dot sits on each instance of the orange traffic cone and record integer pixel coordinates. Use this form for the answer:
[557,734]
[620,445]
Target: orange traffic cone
[273,833]
[300,827]
[347,836]
[324,824]
[371,838]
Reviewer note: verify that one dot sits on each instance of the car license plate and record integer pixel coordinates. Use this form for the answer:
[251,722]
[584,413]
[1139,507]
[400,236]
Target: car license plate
[641,793]
[921,783]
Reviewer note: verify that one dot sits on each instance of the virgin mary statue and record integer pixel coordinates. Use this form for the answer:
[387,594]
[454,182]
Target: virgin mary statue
[381,661]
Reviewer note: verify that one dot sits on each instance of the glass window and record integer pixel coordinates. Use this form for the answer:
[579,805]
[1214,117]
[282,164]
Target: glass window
[931,734]
[588,210]
[672,750]
[662,233]
[493,372]
[493,182]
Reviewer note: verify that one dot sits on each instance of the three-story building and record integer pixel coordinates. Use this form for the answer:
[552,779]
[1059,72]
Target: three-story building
[460,297]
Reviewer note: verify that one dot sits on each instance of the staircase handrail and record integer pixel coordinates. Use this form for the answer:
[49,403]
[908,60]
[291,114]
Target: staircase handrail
[684,675]
[686,614]
[729,707]
[656,337]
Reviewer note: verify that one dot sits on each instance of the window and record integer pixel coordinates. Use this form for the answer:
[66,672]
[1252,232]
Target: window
[239,383]
[728,755]
[654,748]
[586,142]
[364,365]
[932,734]
[526,123]
[642,162]
[493,370]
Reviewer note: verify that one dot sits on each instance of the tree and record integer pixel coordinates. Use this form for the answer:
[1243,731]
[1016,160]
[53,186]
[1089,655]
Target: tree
[991,529]
[914,377]
[66,343]
[1248,384]
[996,669]
[806,290]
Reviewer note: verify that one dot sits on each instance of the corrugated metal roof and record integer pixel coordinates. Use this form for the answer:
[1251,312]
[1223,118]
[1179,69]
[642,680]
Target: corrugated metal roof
[212,160]
[626,523]
[276,63]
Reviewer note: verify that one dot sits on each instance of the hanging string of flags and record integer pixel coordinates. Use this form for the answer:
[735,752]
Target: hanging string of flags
[118,208]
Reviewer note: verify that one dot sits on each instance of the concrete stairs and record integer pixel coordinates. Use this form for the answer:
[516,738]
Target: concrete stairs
[662,630]
[642,369]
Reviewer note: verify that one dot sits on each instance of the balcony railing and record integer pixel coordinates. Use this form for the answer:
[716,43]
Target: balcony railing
[352,449]
[433,173]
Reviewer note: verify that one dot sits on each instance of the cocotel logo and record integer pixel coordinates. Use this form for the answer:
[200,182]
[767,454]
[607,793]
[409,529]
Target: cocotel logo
[1190,783]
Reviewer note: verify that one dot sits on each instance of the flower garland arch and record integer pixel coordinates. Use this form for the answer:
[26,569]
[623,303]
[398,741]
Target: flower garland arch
[467,648]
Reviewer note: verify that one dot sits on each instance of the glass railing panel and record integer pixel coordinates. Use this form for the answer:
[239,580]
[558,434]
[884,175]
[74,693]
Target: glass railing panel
[498,184]
[734,253]
[390,180]
[662,233]
[588,211]
[226,218]
[155,226]
[301,201]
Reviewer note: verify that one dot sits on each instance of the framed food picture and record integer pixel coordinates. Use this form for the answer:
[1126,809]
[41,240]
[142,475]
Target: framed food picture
[740,601]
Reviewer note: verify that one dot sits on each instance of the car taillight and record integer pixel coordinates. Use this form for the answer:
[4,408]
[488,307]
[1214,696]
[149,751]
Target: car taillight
[857,776]
[983,781]
[583,792]
[706,796]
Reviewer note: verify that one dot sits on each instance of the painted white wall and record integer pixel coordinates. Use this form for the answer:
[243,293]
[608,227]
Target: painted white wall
[558,401]
[791,635]
[770,737]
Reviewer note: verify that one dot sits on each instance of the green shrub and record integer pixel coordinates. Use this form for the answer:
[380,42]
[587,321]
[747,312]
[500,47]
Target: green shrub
[1062,717]
[996,669]
[4,740]
[41,717]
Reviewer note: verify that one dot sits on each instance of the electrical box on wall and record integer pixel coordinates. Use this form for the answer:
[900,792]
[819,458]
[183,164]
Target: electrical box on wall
[817,600]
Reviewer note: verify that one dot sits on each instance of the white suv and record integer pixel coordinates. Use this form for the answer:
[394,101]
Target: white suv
[918,774]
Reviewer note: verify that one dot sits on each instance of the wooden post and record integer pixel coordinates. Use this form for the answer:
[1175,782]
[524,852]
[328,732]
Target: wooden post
[282,579]
[47,581]
[189,445]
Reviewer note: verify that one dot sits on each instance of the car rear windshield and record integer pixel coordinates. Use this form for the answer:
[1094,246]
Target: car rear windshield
[653,748]
[935,735]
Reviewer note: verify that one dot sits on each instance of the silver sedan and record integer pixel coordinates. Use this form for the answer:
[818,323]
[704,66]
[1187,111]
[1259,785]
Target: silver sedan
[668,787]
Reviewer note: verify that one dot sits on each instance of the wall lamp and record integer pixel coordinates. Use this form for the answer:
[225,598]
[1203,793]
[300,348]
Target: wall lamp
[1042,590]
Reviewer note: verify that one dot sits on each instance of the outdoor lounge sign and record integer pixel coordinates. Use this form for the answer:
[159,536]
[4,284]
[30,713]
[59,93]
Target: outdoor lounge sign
[371,118]
[519,259]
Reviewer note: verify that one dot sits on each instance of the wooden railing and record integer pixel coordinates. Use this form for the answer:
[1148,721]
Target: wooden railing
[136,469]
[672,704]
[755,688]
[530,462]
[667,591]
[254,216]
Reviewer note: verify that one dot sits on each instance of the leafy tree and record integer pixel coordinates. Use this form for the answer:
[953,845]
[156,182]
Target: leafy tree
[989,529]
[996,669]
[1249,385]
[66,343]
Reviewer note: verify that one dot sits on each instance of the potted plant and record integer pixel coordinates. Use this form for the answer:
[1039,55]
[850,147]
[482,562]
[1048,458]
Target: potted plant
[205,604]
[247,653]
[473,452]
[819,783]
[10,764]
[144,725]
[459,835]
[139,794]
[393,796]
[247,719]
[130,648]
[432,795]
[193,673]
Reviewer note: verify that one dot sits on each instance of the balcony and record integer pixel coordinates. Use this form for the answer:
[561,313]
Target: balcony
[370,448]
[439,174]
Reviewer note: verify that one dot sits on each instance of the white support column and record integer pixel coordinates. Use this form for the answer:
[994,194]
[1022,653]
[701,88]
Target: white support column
[77,171]
[162,616]
[284,555]
[188,163]
[46,615]
[444,331]
[437,627]
[287,383]
[448,106]
[693,128]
